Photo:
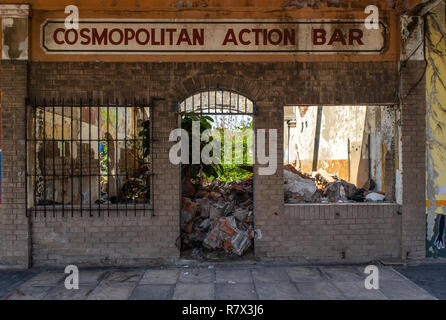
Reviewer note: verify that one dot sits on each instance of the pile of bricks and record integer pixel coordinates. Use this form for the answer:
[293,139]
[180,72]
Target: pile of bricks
[218,216]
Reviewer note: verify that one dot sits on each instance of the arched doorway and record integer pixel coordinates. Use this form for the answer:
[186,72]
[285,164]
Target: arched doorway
[217,207]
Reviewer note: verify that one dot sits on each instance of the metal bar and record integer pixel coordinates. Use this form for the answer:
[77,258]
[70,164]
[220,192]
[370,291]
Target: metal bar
[72,159]
[134,146]
[98,106]
[54,159]
[35,156]
[63,159]
[116,152]
[151,144]
[125,157]
[108,157]
[89,154]
[81,159]
[26,159]
[78,140]
[43,169]
[80,175]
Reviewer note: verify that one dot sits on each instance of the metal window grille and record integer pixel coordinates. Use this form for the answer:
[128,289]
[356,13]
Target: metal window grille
[217,102]
[89,157]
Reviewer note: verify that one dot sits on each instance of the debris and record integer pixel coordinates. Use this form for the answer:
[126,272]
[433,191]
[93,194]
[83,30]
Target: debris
[374,196]
[300,187]
[295,184]
[358,196]
[241,214]
[339,190]
[369,185]
[188,187]
[323,177]
[218,216]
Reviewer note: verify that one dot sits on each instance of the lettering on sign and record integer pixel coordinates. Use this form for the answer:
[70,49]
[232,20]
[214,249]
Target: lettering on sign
[104,36]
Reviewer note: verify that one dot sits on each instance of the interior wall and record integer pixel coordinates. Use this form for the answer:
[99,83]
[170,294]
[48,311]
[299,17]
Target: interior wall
[356,143]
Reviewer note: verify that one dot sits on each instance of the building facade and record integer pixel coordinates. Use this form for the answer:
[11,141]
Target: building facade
[304,53]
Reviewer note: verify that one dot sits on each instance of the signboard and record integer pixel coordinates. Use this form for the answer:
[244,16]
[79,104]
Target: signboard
[238,37]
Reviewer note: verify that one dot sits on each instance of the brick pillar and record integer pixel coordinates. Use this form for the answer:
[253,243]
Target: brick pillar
[268,189]
[414,165]
[166,188]
[14,226]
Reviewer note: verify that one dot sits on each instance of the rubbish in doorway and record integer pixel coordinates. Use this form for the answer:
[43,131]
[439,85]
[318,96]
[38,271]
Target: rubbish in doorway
[218,216]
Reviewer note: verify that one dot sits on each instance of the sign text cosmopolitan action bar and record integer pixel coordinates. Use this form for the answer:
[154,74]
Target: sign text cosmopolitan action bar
[104,36]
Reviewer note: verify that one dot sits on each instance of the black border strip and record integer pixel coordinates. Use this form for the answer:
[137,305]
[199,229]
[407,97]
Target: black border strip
[215,51]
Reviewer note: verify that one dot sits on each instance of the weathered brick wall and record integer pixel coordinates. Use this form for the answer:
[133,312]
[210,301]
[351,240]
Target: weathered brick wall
[102,239]
[271,85]
[14,226]
[414,159]
[335,233]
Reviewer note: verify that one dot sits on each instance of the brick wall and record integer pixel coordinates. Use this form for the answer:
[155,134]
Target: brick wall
[334,233]
[14,226]
[271,86]
[414,159]
[102,239]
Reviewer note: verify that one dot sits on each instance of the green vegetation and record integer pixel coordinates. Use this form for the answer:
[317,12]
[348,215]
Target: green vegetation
[226,172]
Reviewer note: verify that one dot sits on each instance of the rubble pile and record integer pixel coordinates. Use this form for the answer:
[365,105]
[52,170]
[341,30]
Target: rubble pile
[218,216]
[322,187]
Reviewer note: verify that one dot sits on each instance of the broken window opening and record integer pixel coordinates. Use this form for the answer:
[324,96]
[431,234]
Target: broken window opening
[88,157]
[340,154]
[217,217]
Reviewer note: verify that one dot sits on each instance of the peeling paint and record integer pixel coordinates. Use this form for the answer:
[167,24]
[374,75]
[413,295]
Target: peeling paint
[436,130]
[344,147]
[15,38]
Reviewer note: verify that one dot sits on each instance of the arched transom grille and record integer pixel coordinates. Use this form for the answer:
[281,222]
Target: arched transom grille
[217,101]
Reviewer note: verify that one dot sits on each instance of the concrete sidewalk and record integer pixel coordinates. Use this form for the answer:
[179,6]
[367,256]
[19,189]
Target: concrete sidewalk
[210,283]
[429,275]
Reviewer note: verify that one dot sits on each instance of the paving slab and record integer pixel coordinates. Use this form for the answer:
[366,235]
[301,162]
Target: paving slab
[232,276]
[28,293]
[153,292]
[270,275]
[304,274]
[277,291]
[194,291]
[430,276]
[89,277]
[125,276]
[61,293]
[319,290]
[227,282]
[435,272]
[385,274]
[197,276]
[112,291]
[160,277]
[357,291]
[239,291]
[9,280]
[46,278]
[400,290]
[343,273]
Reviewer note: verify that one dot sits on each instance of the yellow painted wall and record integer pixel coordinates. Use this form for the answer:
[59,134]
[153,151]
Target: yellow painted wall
[436,126]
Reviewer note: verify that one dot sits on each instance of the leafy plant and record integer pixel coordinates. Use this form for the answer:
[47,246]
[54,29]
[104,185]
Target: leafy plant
[145,135]
[199,171]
